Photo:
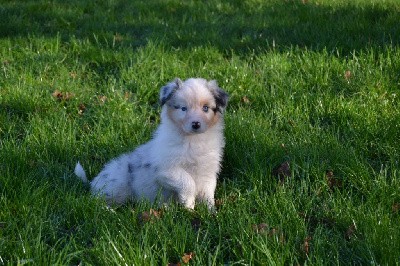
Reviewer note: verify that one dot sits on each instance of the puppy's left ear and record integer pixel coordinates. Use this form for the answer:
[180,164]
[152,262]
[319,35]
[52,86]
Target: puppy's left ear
[168,90]
[221,97]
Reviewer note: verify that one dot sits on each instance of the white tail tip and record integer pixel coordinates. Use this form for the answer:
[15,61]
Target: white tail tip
[80,172]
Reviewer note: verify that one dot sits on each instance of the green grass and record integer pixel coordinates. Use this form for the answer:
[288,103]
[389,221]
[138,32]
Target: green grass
[314,83]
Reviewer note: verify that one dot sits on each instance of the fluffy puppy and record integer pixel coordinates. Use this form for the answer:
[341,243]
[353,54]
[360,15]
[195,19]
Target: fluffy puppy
[182,160]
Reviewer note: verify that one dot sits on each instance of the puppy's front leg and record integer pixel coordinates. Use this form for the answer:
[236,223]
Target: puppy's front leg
[179,181]
[206,190]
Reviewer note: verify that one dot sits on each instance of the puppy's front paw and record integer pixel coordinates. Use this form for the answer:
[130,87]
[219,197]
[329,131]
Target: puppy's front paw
[187,201]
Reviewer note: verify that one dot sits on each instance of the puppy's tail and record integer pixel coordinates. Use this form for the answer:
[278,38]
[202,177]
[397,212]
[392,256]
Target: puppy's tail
[80,172]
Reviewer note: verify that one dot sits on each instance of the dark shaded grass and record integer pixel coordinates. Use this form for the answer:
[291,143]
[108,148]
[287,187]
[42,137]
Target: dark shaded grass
[241,26]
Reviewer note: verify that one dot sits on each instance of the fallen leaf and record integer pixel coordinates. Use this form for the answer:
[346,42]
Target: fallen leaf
[68,96]
[396,207]
[81,108]
[150,216]
[306,245]
[127,95]
[261,228]
[155,213]
[231,198]
[187,257]
[329,173]
[265,229]
[350,232]
[347,75]
[245,100]
[57,94]
[219,202]
[332,181]
[277,234]
[102,99]
[118,37]
[282,171]
[73,75]
[62,96]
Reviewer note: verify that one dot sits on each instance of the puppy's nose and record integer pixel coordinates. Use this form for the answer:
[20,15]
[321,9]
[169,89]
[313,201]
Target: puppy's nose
[196,125]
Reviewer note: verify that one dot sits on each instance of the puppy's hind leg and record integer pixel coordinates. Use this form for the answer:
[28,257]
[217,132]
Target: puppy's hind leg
[114,181]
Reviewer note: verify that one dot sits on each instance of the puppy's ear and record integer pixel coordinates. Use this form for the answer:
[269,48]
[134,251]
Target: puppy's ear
[168,90]
[221,97]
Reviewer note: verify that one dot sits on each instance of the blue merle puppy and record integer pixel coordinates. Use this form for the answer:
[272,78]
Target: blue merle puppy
[182,160]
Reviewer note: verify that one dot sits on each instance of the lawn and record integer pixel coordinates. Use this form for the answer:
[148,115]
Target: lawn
[311,170]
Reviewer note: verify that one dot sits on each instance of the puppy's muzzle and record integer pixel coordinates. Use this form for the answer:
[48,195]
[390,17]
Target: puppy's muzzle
[196,125]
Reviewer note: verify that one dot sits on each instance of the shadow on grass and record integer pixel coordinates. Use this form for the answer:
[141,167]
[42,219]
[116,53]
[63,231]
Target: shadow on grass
[239,26]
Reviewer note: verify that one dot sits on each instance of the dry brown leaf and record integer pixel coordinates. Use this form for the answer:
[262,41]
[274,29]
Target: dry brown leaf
[245,100]
[347,75]
[277,234]
[396,207]
[57,94]
[73,75]
[350,232]
[305,247]
[102,99]
[188,257]
[282,171]
[219,202]
[332,181]
[230,199]
[261,228]
[118,37]
[150,216]
[81,109]
[62,96]
[127,95]
[265,229]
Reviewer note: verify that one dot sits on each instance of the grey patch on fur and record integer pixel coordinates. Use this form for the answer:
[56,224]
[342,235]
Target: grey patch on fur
[130,168]
[222,100]
[104,176]
[220,96]
[168,90]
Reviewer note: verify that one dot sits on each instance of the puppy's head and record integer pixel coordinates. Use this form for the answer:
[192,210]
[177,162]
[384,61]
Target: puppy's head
[194,105]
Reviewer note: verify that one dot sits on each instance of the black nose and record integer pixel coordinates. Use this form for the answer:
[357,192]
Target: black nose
[196,125]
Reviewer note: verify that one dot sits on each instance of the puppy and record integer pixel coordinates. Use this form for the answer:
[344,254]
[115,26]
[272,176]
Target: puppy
[182,160]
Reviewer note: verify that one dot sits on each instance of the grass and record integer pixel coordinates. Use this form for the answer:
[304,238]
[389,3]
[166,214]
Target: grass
[312,83]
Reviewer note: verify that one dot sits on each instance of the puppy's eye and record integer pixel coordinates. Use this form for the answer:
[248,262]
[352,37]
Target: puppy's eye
[183,108]
[205,108]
